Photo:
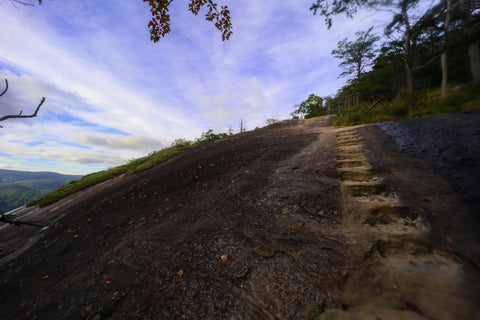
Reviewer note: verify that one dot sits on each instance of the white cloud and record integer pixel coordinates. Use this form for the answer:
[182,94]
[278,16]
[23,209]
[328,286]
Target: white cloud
[133,142]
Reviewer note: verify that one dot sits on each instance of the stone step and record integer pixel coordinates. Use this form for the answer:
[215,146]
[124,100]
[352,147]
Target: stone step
[356,174]
[362,188]
[346,143]
[353,164]
[351,149]
[352,156]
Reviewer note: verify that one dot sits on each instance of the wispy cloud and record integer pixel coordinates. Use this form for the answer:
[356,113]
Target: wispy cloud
[112,95]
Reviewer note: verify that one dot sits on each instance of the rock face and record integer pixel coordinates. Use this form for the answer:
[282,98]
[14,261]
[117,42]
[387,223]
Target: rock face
[291,221]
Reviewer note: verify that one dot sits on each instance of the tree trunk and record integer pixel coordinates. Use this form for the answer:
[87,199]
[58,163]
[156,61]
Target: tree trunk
[474,54]
[444,54]
[444,75]
[407,46]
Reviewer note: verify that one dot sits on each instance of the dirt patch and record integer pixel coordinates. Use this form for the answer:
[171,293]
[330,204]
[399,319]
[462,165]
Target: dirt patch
[259,225]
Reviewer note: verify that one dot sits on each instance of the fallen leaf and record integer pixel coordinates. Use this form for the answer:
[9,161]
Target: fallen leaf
[224,258]
[246,171]
[180,273]
[233,181]
[300,224]
[335,212]
[115,293]
[45,277]
[89,219]
[75,236]
[448,239]
[394,173]
[285,212]
[108,280]
[271,181]
[319,164]
[426,200]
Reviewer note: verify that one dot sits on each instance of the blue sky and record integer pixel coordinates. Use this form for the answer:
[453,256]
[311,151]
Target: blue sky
[113,95]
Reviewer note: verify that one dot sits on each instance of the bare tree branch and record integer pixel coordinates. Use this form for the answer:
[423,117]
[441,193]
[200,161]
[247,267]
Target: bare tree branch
[21,2]
[6,88]
[24,116]
[426,63]
[16,116]
[11,220]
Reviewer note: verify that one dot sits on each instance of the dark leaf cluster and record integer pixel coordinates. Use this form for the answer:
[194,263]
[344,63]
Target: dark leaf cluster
[159,25]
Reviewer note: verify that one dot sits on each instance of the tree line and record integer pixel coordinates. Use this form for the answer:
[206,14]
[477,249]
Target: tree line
[424,47]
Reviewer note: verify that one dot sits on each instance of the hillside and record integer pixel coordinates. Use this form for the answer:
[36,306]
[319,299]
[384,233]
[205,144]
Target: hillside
[19,187]
[297,220]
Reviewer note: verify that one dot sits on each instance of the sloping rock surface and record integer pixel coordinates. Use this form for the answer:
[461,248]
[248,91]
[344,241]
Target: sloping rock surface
[283,222]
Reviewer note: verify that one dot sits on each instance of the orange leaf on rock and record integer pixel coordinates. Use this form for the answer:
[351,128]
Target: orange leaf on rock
[224,258]
[180,273]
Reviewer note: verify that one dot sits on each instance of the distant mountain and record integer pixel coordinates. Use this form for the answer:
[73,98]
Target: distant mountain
[19,187]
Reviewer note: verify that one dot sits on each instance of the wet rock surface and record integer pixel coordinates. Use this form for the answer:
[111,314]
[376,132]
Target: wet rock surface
[284,222]
[450,144]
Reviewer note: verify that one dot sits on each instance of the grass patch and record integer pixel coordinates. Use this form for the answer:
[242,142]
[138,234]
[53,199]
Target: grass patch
[412,105]
[131,168]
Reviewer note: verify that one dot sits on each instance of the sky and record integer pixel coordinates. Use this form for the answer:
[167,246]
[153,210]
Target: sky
[112,95]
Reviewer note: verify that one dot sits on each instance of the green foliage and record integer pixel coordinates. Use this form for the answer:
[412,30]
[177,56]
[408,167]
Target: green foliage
[210,136]
[133,167]
[12,197]
[159,25]
[356,55]
[310,108]
[182,143]
[412,105]
[271,121]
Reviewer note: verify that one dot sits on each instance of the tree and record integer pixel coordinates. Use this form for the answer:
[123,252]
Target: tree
[401,21]
[471,23]
[20,115]
[159,25]
[271,121]
[310,108]
[356,55]
[242,125]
